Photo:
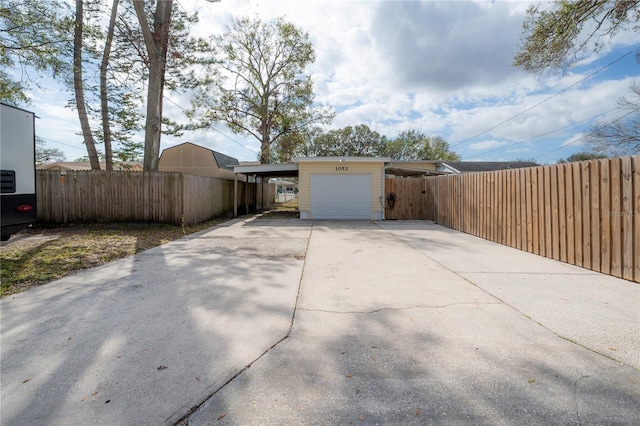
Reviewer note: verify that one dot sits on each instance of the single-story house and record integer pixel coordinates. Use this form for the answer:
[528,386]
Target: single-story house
[194,159]
[353,187]
[483,166]
[85,165]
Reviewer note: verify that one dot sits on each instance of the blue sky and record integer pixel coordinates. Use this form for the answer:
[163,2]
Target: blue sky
[440,67]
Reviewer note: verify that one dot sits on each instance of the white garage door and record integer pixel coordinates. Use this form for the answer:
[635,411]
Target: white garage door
[338,196]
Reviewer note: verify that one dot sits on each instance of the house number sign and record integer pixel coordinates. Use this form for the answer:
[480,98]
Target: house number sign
[342,168]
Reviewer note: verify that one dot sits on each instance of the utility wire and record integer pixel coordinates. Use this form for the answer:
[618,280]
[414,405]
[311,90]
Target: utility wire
[587,135]
[212,128]
[61,143]
[546,99]
[500,148]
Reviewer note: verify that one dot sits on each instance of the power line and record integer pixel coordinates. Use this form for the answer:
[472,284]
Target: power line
[61,143]
[544,134]
[546,99]
[212,128]
[587,135]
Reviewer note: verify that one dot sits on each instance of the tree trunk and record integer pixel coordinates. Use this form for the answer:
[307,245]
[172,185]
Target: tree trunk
[79,90]
[104,100]
[156,40]
[265,144]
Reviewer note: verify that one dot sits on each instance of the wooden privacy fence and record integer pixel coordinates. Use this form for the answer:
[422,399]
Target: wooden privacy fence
[123,196]
[407,199]
[586,213]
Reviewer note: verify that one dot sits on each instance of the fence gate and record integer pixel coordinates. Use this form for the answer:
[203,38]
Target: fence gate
[407,198]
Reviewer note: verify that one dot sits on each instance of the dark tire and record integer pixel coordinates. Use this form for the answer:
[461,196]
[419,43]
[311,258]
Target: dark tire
[5,238]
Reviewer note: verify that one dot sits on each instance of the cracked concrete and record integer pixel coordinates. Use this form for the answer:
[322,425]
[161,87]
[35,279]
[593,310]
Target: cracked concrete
[298,322]
[386,334]
[401,308]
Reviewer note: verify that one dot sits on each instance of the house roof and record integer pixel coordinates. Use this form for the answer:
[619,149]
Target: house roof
[224,161]
[487,166]
[341,159]
[269,170]
[85,165]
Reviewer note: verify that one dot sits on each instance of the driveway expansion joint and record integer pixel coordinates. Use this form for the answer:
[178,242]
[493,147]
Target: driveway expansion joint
[184,420]
[575,398]
[403,308]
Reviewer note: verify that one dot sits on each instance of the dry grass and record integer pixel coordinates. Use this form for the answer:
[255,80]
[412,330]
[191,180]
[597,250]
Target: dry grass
[288,210]
[42,254]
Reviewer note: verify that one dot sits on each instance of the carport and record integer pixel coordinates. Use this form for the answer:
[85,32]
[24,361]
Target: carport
[339,187]
[262,171]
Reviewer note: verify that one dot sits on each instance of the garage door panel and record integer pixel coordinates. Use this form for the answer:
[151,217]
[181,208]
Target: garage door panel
[339,196]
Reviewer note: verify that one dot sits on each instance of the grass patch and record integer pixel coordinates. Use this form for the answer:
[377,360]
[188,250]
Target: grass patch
[42,254]
[287,210]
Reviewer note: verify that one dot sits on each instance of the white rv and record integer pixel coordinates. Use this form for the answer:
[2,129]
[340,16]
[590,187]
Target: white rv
[18,169]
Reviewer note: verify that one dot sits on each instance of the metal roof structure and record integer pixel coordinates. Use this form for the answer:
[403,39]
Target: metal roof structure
[486,166]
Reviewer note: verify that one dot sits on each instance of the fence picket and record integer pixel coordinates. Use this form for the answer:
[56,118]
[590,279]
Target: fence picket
[616,225]
[635,168]
[585,213]
[595,218]
[627,218]
[100,196]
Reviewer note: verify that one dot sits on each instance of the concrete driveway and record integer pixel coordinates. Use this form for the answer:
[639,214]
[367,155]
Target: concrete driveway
[382,323]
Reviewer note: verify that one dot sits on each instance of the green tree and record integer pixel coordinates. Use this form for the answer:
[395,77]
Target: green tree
[36,39]
[414,145]
[156,40]
[78,87]
[581,156]
[104,87]
[126,68]
[39,36]
[555,38]
[258,85]
[349,142]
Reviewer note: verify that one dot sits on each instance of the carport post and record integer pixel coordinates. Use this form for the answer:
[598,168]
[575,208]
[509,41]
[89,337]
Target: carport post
[235,196]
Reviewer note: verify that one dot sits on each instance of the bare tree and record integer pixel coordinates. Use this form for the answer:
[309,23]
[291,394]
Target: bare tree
[258,84]
[620,136]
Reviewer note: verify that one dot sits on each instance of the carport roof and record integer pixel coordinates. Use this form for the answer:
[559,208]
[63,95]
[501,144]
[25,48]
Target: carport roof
[397,168]
[269,170]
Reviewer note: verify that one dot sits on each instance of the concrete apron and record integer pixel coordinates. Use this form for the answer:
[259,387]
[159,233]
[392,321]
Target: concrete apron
[143,339]
[384,334]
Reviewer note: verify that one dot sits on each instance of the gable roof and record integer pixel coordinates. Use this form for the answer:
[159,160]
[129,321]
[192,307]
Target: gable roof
[487,166]
[224,161]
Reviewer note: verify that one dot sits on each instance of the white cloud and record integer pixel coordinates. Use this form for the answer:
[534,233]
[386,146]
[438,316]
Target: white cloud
[443,68]
[478,146]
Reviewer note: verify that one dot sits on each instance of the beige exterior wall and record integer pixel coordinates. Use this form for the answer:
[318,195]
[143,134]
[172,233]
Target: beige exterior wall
[192,159]
[346,167]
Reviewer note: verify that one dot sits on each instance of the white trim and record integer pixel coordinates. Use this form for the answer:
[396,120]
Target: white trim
[262,168]
[450,169]
[341,159]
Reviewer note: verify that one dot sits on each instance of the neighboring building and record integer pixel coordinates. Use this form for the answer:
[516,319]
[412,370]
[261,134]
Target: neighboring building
[197,160]
[353,187]
[85,165]
[483,166]
[285,189]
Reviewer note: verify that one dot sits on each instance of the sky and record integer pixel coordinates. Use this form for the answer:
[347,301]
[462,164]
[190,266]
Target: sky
[440,67]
